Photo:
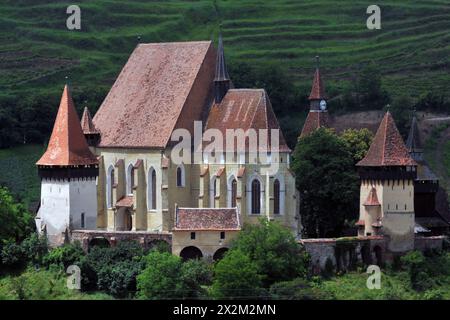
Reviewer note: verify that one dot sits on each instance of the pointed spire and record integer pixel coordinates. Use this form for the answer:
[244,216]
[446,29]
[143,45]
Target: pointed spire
[318,89]
[222,79]
[67,145]
[86,123]
[413,143]
[387,148]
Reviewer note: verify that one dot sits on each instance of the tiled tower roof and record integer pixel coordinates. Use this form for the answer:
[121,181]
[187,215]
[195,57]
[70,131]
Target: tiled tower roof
[86,123]
[221,66]
[372,198]
[67,145]
[314,121]
[318,89]
[387,148]
[413,142]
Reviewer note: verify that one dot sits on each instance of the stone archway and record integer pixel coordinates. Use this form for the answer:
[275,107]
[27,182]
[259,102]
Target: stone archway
[98,242]
[191,252]
[218,255]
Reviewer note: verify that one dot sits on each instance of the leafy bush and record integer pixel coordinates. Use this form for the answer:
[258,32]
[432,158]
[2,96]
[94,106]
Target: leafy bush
[297,289]
[65,256]
[100,265]
[30,251]
[160,278]
[274,250]
[194,274]
[237,276]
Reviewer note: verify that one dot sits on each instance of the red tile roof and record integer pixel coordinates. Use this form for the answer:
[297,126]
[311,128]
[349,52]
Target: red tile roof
[163,86]
[126,201]
[86,123]
[198,219]
[318,89]
[245,109]
[67,145]
[372,198]
[387,148]
[314,121]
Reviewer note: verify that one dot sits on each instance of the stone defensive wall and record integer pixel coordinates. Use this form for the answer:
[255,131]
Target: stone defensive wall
[89,238]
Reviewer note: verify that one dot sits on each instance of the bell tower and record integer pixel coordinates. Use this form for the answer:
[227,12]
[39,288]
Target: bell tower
[68,172]
[318,113]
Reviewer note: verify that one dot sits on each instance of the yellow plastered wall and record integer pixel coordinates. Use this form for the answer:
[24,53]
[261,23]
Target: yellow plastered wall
[207,241]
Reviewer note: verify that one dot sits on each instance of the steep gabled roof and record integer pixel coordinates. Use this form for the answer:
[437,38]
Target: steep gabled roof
[163,86]
[245,109]
[413,143]
[372,198]
[67,145]
[314,121]
[86,123]
[209,219]
[387,148]
[318,89]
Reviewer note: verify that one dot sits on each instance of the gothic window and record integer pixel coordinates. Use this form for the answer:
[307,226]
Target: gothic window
[110,186]
[213,191]
[151,189]
[276,196]
[256,197]
[180,176]
[233,193]
[130,179]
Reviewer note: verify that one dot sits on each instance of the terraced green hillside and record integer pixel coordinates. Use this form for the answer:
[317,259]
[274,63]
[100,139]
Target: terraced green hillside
[412,49]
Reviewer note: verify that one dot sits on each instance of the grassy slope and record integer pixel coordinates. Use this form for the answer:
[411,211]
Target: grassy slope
[412,49]
[19,173]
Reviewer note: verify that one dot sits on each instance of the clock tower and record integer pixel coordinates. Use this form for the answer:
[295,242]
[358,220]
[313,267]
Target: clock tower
[318,113]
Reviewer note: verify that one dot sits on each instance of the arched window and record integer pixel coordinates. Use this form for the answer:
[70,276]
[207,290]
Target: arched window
[109,186]
[180,176]
[130,179]
[256,197]
[233,193]
[276,196]
[151,189]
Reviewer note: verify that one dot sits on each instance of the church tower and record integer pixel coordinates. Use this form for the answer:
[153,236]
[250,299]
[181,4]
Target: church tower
[91,134]
[68,172]
[318,113]
[387,189]
[222,80]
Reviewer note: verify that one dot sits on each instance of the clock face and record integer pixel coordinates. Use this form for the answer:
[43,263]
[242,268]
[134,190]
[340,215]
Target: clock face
[323,105]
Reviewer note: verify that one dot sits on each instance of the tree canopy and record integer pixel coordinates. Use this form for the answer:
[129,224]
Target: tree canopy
[327,181]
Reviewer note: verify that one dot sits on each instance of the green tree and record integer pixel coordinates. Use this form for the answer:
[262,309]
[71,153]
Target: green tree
[236,277]
[327,181]
[160,279]
[274,250]
[16,223]
[358,142]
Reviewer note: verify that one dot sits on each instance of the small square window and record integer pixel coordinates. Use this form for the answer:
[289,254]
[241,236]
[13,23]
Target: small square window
[222,235]
[192,235]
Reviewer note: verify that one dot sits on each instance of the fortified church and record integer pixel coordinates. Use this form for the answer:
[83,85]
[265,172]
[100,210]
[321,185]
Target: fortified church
[112,177]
